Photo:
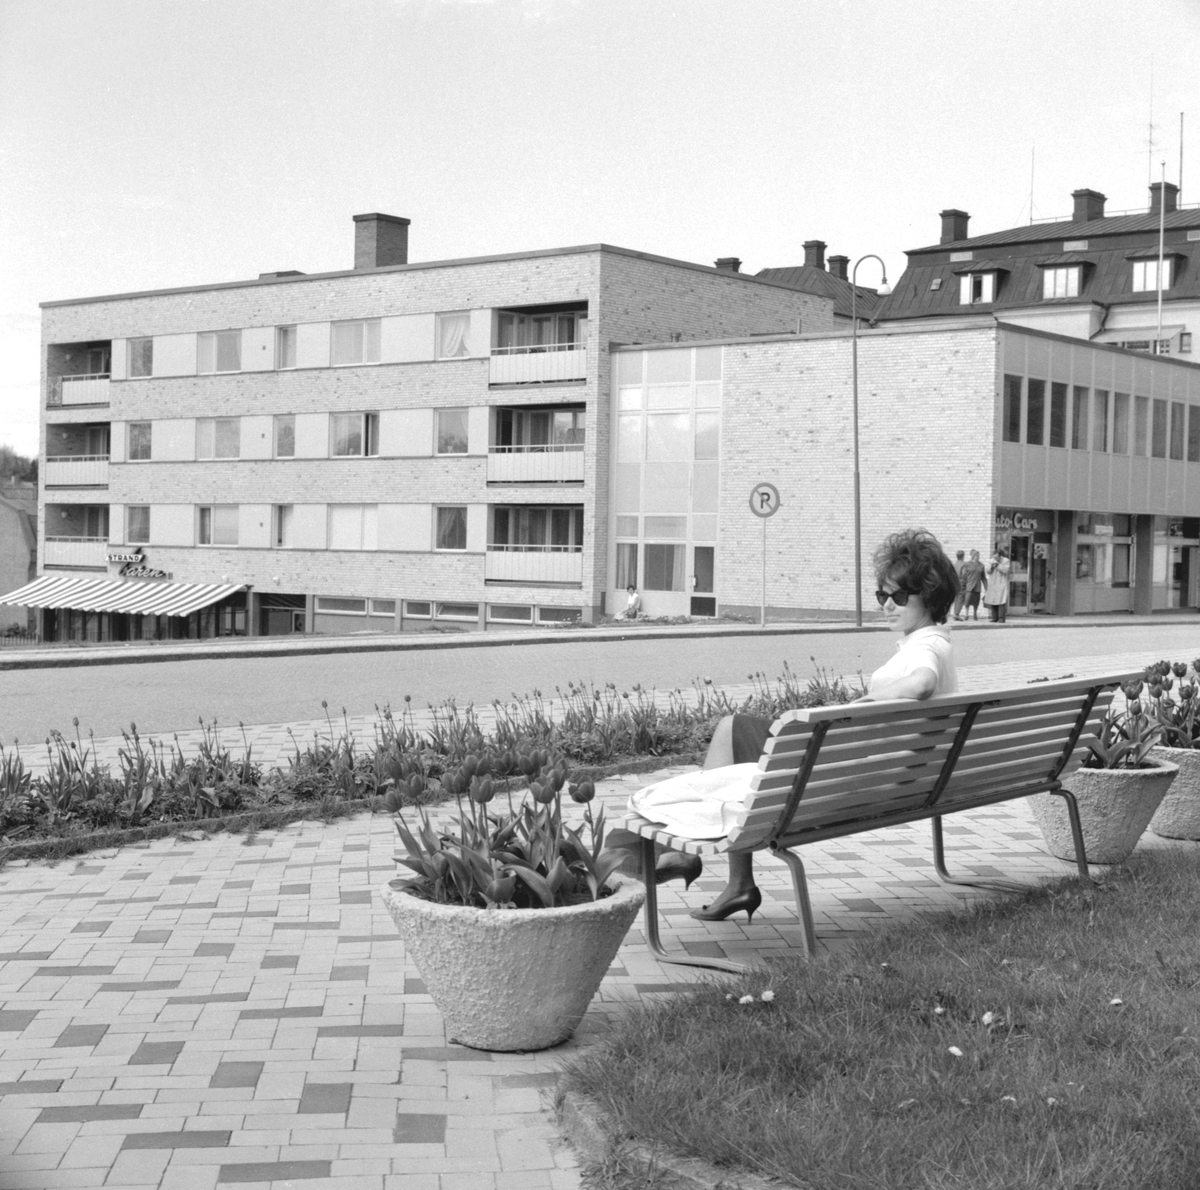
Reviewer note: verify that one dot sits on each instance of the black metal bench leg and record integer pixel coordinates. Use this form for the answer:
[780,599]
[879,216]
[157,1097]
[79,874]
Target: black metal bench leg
[1076,833]
[647,858]
[939,856]
[803,905]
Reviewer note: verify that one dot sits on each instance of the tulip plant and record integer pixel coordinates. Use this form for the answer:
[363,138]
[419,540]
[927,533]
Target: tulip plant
[523,856]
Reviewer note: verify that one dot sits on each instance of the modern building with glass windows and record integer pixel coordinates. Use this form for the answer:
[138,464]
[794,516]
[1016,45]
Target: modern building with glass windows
[1081,460]
[393,447]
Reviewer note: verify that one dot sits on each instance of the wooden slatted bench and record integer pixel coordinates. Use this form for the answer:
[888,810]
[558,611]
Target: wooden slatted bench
[841,770]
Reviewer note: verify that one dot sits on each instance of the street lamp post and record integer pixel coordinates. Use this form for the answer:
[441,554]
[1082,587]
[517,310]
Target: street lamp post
[883,290]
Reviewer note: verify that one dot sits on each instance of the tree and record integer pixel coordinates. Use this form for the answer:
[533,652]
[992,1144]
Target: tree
[16,467]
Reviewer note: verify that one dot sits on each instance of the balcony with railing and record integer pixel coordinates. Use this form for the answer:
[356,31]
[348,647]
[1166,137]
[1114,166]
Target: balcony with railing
[79,553]
[90,389]
[534,564]
[76,471]
[538,365]
[553,463]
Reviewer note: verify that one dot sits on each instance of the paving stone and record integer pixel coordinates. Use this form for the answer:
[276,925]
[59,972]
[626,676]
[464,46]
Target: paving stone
[183,1139]
[13,1020]
[319,1098]
[236,1074]
[272,1171]
[156,1053]
[213,950]
[90,1112]
[280,960]
[81,1035]
[419,1129]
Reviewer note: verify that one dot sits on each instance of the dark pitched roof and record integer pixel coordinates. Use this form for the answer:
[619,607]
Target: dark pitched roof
[809,279]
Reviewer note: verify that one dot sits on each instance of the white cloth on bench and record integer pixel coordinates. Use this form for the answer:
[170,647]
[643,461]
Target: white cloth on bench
[699,805]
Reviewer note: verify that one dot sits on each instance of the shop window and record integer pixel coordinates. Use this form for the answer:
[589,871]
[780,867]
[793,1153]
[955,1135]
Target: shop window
[664,567]
[417,609]
[1035,414]
[383,607]
[1012,409]
[1120,424]
[217,524]
[1081,398]
[458,611]
[508,613]
[141,357]
[559,615]
[355,342]
[1158,435]
[218,437]
[1100,420]
[1177,429]
[219,351]
[285,435]
[341,607]
[627,565]
[1058,412]
[139,440]
[451,431]
[451,528]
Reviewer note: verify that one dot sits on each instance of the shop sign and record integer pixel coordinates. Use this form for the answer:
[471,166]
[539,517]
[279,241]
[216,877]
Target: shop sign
[1009,521]
[133,566]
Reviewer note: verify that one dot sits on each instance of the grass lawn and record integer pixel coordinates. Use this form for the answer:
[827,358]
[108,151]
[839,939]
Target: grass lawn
[1047,1040]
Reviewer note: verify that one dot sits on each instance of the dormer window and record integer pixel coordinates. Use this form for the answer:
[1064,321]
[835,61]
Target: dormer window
[976,288]
[1062,281]
[1145,274]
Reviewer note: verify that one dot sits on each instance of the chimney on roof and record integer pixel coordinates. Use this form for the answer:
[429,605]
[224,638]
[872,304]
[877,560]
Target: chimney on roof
[954,226]
[1089,205]
[728,264]
[838,266]
[380,240]
[1164,195]
[814,253]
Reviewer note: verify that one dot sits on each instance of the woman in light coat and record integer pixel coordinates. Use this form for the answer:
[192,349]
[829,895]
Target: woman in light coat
[996,579]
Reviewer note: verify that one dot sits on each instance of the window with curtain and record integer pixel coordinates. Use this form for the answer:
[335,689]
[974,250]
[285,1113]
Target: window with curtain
[451,531]
[627,565]
[219,351]
[664,567]
[137,524]
[139,440]
[285,435]
[352,526]
[453,336]
[354,435]
[141,357]
[355,342]
[218,437]
[451,431]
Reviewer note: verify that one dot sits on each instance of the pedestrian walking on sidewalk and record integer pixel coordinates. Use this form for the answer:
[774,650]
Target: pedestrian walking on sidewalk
[961,597]
[996,595]
[973,582]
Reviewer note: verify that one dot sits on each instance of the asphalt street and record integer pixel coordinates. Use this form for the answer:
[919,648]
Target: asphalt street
[174,695]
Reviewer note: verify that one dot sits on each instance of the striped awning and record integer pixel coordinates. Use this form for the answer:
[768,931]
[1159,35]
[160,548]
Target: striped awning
[119,595]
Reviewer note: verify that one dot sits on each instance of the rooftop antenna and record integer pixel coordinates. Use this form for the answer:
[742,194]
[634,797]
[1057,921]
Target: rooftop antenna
[1032,161]
[1150,130]
[1181,157]
[1162,217]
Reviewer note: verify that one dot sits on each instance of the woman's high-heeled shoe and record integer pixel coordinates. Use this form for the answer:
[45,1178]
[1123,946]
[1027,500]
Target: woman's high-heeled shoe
[675,865]
[750,901]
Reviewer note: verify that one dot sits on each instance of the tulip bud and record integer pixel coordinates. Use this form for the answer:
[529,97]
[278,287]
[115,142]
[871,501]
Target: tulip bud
[583,792]
[500,891]
[1132,689]
[416,785]
[542,794]
[482,790]
[1135,707]
[484,766]
[1179,669]
[469,765]
[555,780]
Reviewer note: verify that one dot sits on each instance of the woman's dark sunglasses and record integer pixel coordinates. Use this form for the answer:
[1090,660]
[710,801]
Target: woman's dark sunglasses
[899,598]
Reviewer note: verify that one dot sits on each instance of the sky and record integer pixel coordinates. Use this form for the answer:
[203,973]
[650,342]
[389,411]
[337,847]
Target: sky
[154,143]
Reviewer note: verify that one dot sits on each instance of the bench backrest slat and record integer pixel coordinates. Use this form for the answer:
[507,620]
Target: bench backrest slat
[880,761]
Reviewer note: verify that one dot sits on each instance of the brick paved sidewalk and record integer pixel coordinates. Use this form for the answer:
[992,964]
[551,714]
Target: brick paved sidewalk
[237,1010]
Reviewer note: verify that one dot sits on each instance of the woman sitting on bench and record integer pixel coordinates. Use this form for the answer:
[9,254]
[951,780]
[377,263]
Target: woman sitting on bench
[917,587]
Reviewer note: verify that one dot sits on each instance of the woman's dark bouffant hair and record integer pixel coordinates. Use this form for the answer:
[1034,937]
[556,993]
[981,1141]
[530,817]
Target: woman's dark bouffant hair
[915,561]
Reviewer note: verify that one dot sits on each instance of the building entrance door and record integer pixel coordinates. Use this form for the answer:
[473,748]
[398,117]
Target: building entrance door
[704,603]
[1039,577]
[1019,575]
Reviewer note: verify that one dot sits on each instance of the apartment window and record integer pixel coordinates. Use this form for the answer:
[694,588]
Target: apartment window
[1061,282]
[285,435]
[137,524]
[281,526]
[1177,419]
[1141,425]
[451,431]
[1058,411]
[1193,434]
[1120,424]
[355,342]
[218,524]
[1145,274]
[453,335]
[1035,414]
[560,331]
[664,567]
[141,357]
[976,288]
[219,351]
[529,528]
[708,435]
[1012,409]
[1079,417]
[353,526]
[139,440]
[354,434]
[218,437]
[1100,420]
[1185,342]
[451,528]
[538,429]
[285,347]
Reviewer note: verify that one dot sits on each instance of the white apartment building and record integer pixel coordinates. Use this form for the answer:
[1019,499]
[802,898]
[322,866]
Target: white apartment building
[398,446]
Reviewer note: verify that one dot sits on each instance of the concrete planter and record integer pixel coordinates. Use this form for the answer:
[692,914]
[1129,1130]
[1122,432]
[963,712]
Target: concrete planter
[1115,806]
[1178,814]
[518,979]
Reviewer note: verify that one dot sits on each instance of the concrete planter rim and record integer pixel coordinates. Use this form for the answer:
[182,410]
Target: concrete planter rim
[1178,814]
[624,888]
